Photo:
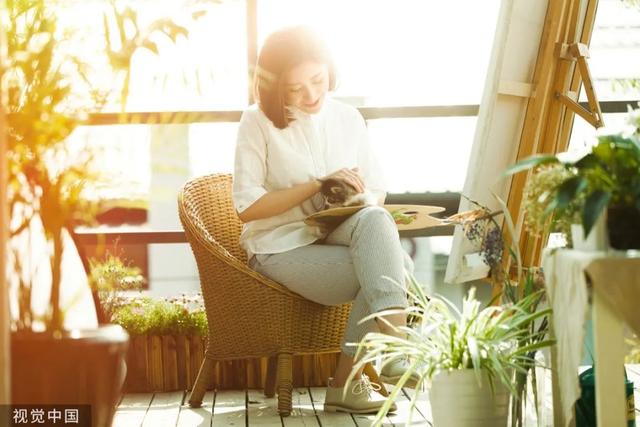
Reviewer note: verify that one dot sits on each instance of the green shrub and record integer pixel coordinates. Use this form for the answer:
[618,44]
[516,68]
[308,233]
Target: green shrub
[182,315]
[111,276]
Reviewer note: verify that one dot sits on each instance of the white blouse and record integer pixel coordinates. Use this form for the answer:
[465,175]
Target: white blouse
[312,146]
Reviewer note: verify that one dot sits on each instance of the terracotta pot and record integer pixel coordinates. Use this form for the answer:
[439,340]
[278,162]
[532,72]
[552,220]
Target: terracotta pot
[72,368]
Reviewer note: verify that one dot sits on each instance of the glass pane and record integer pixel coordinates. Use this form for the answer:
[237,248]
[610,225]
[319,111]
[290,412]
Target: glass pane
[144,167]
[123,154]
[423,154]
[212,148]
[205,71]
[584,136]
[130,156]
[394,53]
[615,51]
[417,154]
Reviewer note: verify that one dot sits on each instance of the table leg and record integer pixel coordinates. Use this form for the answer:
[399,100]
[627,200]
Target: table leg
[609,363]
[555,384]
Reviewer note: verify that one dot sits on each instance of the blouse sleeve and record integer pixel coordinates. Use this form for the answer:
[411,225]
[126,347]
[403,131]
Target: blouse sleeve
[370,169]
[250,163]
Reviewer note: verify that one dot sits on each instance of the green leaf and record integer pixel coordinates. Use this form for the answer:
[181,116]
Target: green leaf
[593,207]
[568,190]
[535,346]
[530,163]
[589,161]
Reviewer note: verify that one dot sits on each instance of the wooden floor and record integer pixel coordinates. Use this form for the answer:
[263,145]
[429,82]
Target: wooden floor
[251,408]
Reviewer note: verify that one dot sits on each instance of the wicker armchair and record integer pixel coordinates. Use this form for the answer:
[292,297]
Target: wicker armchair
[248,314]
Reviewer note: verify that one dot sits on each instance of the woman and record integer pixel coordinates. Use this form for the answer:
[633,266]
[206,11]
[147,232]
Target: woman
[287,145]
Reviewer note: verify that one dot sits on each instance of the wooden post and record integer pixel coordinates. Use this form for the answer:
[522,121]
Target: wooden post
[169,363]
[138,370]
[196,356]
[156,373]
[5,354]
[183,360]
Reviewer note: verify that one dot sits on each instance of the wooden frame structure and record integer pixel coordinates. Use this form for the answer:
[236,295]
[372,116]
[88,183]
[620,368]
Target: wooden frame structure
[508,88]
[550,113]
[526,111]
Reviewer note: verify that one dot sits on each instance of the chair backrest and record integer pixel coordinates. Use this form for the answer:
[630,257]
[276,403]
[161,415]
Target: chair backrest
[207,203]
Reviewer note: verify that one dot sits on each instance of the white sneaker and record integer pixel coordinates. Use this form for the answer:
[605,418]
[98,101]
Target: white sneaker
[361,397]
[392,372]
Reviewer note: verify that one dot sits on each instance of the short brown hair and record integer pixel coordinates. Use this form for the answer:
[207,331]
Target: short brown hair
[282,51]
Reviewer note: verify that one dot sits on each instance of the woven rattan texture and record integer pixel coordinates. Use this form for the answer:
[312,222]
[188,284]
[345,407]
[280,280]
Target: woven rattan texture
[248,314]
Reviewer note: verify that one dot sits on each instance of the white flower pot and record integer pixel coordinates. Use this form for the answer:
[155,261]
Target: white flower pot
[598,238]
[458,400]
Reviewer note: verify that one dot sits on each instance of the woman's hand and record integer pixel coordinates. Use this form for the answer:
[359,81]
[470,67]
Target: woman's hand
[350,176]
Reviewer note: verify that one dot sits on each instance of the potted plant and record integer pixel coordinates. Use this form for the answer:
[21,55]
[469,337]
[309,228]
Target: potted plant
[167,341]
[483,230]
[477,361]
[468,357]
[50,364]
[49,95]
[111,278]
[604,181]
[540,217]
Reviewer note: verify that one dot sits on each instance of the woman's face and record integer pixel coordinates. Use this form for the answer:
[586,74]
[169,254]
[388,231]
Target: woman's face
[306,85]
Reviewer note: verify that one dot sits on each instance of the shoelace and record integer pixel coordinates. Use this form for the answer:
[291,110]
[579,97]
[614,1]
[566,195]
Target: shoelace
[364,385]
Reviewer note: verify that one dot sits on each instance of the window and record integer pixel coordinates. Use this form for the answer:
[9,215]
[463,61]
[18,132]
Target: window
[205,71]
[390,56]
[615,51]
[413,52]
[417,69]
[615,68]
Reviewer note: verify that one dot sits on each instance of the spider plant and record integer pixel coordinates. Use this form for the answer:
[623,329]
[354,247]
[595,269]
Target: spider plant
[488,340]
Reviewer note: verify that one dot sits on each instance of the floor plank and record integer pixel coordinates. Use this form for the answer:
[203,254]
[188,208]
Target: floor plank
[363,420]
[240,408]
[261,410]
[197,417]
[404,413]
[132,410]
[422,405]
[303,414]
[230,408]
[164,409]
[328,419]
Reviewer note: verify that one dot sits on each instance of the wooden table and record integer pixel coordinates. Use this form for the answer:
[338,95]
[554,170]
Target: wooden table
[611,279]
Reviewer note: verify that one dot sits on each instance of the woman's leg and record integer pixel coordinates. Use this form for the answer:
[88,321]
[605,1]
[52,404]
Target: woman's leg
[350,266]
[325,274]
[380,264]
